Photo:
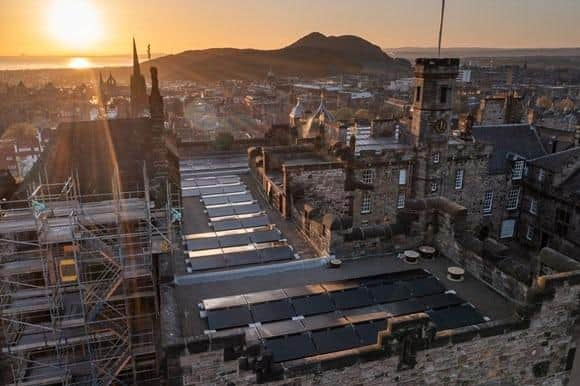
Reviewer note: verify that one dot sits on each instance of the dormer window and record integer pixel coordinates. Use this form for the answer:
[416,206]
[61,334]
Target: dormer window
[518,169]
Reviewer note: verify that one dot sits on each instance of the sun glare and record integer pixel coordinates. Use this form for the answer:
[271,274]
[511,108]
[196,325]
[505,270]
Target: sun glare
[75,23]
[79,63]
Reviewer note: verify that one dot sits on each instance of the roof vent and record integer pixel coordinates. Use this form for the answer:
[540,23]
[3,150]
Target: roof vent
[427,252]
[335,263]
[411,257]
[455,274]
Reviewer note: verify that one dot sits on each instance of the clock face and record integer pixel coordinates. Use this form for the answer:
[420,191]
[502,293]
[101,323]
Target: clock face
[441,126]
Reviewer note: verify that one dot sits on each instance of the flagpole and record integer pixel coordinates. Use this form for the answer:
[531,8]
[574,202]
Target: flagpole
[441,28]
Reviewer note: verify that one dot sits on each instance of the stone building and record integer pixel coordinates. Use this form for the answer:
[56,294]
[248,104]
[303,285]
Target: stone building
[322,180]
[550,210]
[501,109]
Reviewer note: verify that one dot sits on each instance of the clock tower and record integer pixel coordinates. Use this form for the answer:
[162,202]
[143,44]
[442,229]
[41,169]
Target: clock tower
[432,100]
[430,127]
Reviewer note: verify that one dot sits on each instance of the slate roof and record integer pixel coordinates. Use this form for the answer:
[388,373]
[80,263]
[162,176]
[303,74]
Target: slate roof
[520,139]
[556,161]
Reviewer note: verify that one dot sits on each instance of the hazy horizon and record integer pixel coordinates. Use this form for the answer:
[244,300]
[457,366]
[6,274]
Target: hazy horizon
[92,28]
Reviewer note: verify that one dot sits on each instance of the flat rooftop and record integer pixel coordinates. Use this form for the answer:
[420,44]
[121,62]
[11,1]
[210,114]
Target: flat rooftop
[192,291]
[226,221]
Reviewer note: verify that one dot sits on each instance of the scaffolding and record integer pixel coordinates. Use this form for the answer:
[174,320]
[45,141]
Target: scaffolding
[78,286]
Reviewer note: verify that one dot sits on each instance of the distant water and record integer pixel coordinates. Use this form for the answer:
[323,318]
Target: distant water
[50,62]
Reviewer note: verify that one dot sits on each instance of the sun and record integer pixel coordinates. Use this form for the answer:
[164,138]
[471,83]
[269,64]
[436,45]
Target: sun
[79,63]
[75,23]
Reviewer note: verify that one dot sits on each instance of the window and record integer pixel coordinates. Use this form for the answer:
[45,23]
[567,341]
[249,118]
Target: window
[418,94]
[533,206]
[507,228]
[434,187]
[459,179]
[530,232]
[366,204]
[401,200]
[436,158]
[402,176]
[562,221]
[541,175]
[513,198]
[518,169]
[443,94]
[488,202]
[368,176]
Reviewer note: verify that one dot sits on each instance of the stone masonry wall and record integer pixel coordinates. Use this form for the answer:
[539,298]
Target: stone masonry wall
[323,188]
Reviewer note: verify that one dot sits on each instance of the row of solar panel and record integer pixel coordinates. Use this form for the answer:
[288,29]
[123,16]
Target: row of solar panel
[301,345]
[228,199]
[196,192]
[257,256]
[258,237]
[232,210]
[250,222]
[396,296]
[209,181]
[314,289]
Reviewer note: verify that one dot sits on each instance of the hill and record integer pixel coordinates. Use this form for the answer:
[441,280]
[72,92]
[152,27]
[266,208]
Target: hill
[314,55]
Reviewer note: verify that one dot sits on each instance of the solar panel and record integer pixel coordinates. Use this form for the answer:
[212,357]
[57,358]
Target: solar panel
[440,301]
[290,347]
[234,240]
[208,191]
[202,244]
[224,302]
[220,212]
[336,339]
[425,286]
[352,298]
[324,321]
[265,296]
[229,318]
[226,225]
[218,200]
[265,236]
[241,197]
[272,311]
[207,262]
[312,305]
[246,209]
[233,189]
[367,333]
[257,221]
[404,308]
[242,258]
[286,327]
[387,293]
[456,317]
[276,254]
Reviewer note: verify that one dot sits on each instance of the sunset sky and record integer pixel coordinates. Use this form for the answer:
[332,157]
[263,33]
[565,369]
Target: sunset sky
[102,27]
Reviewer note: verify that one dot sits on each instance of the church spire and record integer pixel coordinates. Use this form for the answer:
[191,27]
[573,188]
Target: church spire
[136,69]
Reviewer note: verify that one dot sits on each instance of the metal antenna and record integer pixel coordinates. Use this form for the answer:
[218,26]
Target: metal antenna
[441,28]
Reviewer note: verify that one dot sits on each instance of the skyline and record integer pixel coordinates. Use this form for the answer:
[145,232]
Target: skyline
[40,28]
